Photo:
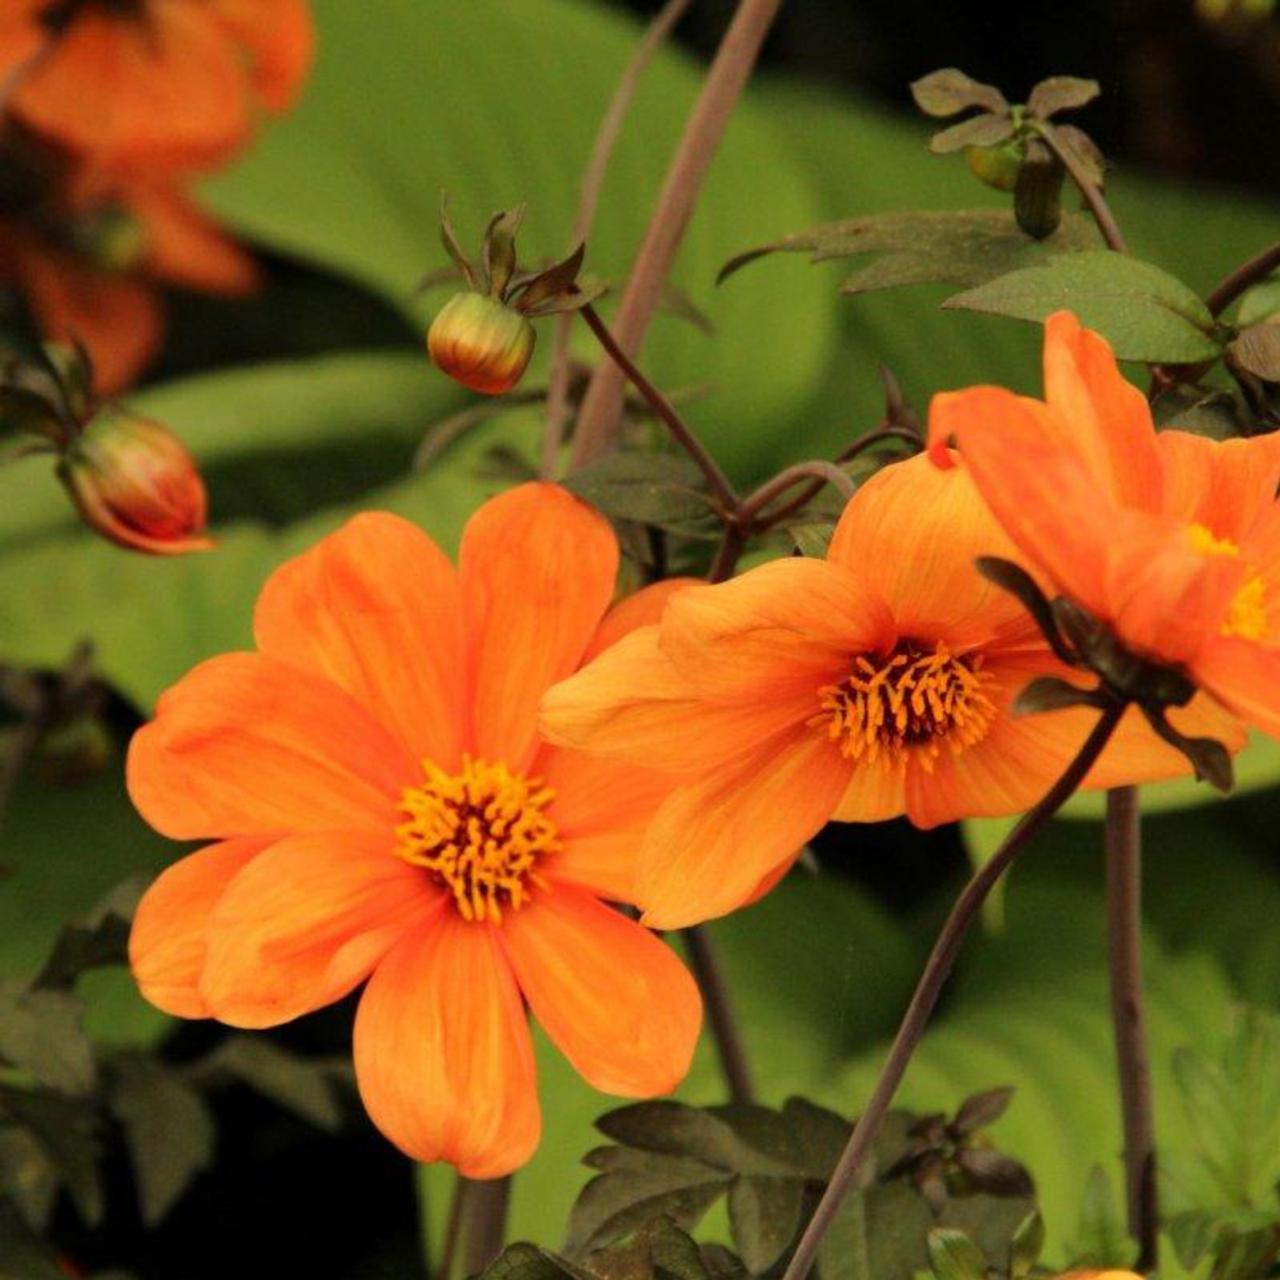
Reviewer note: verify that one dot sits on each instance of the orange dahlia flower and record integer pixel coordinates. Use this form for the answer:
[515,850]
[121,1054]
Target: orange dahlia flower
[90,263]
[169,82]
[873,683]
[1169,539]
[384,809]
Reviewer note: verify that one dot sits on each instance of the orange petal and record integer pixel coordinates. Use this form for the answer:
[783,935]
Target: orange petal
[632,704]
[1245,678]
[1136,755]
[377,609]
[1102,418]
[170,90]
[875,793]
[640,609]
[911,533]
[246,745]
[306,921]
[1043,495]
[779,631]
[169,938]
[280,38]
[22,34]
[538,569]
[118,318]
[615,1001]
[442,1051]
[1225,485]
[186,247]
[1166,598]
[601,811]
[713,842]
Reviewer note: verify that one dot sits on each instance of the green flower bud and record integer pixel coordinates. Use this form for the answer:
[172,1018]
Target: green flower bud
[481,343]
[996,166]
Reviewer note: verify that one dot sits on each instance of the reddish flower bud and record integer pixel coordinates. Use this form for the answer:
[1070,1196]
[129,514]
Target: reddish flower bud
[481,343]
[135,484]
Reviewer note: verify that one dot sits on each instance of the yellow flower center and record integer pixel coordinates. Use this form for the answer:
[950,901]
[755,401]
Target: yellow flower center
[480,833]
[907,704]
[1246,614]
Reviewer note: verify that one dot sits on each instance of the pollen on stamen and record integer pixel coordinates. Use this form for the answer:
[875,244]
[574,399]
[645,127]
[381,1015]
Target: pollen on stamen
[908,704]
[480,833]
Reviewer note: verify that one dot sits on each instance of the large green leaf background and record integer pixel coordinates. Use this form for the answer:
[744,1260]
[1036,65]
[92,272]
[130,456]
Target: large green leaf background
[502,110]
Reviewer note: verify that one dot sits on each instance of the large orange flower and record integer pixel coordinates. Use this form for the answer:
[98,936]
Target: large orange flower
[876,682]
[1171,540]
[173,82]
[90,264]
[385,809]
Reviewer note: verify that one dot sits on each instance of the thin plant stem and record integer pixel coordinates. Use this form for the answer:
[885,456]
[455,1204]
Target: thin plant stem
[724,1026]
[1089,189]
[1242,278]
[818,472]
[727,76]
[1124,952]
[727,554]
[453,1228]
[588,199]
[936,971]
[680,431]
[484,1222]
[872,439]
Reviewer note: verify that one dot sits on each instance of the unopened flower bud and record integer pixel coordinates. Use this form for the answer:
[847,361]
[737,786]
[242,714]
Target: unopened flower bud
[1037,196]
[135,484]
[996,166]
[481,343]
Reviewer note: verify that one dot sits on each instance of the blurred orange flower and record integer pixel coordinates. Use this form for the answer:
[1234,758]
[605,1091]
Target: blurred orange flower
[1169,539]
[90,258]
[174,83]
[385,809]
[874,683]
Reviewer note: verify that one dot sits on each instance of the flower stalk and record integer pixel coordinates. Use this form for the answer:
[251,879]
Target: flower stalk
[724,1026]
[936,972]
[1123,841]
[727,77]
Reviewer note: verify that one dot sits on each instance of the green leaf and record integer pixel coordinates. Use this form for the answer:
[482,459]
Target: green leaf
[965,247]
[662,489]
[622,1199]
[1232,1104]
[23,1256]
[953,1256]
[1102,1238]
[100,939]
[1257,351]
[1145,313]
[764,1215]
[28,1177]
[168,1129]
[302,1087]
[372,168]
[878,1234]
[949,91]
[1259,304]
[1061,93]
[66,1130]
[1028,1240]
[981,131]
[525,1261]
[40,1033]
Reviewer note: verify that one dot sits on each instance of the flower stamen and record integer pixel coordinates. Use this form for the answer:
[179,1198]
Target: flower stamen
[480,833]
[908,704]
[1246,614]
